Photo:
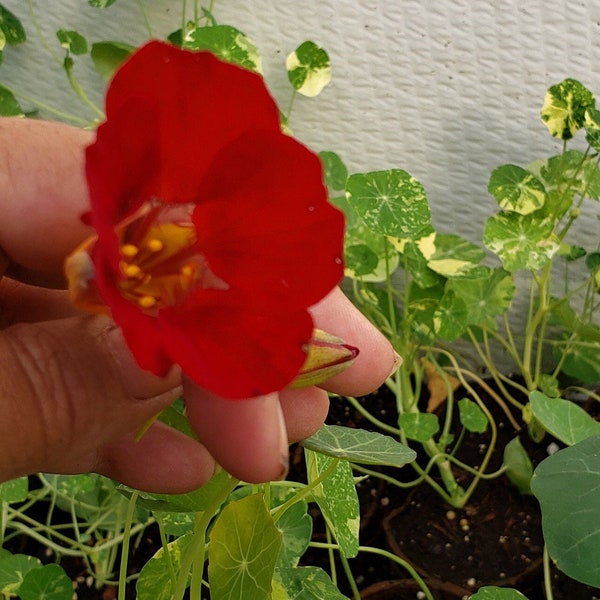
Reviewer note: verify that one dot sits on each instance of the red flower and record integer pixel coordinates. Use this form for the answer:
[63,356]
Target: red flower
[214,234]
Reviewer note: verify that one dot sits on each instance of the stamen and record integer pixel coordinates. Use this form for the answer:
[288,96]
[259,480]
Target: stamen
[130,270]
[147,302]
[187,270]
[129,250]
[155,245]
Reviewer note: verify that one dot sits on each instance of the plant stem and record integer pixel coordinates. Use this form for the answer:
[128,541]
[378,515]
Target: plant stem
[547,574]
[125,545]
[197,548]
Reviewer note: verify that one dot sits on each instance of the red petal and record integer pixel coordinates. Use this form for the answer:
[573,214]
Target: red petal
[264,223]
[233,349]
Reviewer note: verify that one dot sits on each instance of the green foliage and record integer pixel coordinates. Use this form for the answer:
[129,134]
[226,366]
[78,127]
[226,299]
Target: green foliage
[308,68]
[107,56]
[565,420]
[304,583]
[72,42]
[11,30]
[226,42]
[492,592]
[9,106]
[359,446]
[565,485]
[519,468]
[565,107]
[49,582]
[472,418]
[243,549]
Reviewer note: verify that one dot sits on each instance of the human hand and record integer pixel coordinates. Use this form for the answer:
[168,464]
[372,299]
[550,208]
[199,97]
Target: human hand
[72,397]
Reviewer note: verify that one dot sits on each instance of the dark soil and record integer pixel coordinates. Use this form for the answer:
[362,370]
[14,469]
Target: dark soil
[496,539]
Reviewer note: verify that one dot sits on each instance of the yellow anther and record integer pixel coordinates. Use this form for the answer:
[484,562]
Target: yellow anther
[129,250]
[147,302]
[154,245]
[187,270]
[130,270]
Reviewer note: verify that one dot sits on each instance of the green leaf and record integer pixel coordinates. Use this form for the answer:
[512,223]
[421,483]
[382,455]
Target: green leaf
[14,490]
[242,552]
[419,426]
[11,28]
[359,446]
[195,501]
[295,526]
[369,256]
[154,582]
[360,261]
[391,202]
[581,358]
[176,524]
[486,296]
[9,107]
[571,172]
[566,485]
[101,3]
[306,583]
[337,498]
[13,569]
[108,56]
[308,69]
[564,108]
[449,254]
[450,317]
[472,417]
[492,592]
[592,128]
[519,469]
[49,582]
[72,41]
[521,241]
[336,172]
[226,42]
[516,189]
[565,420]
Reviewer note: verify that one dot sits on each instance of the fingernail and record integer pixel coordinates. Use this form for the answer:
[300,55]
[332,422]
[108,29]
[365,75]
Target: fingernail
[398,360]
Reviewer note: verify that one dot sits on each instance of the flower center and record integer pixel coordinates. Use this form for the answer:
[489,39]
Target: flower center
[160,262]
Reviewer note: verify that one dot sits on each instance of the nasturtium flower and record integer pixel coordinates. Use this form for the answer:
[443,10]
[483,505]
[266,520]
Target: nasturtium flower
[213,231]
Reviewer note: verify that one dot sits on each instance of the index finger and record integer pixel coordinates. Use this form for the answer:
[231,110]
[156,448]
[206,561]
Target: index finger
[44,193]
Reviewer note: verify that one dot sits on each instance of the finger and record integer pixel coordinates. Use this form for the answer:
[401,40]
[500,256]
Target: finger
[304,411]
[163,461]
[44,194]
[70,388]
[376,360]
[247,438]
[22,303]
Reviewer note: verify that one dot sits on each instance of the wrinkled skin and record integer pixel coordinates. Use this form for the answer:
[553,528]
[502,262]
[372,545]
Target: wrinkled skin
[71,396]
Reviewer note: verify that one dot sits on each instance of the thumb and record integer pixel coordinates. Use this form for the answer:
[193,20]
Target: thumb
[70,394]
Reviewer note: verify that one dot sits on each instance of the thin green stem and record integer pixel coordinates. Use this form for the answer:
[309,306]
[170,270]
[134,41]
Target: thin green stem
[195,553]
[125,545]
[547,574]
[372,419]
[145,18]
[349,575]
[79,91]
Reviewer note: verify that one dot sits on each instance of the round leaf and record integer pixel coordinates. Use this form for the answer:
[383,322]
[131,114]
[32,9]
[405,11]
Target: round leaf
[226,42]
[242,552]
[9,107]
[336,172]
[519,469]
[49,582]
[566,486]
[359,446]
[308,69]
[419,426]
[107,56]
[564,108]
[72,41]
[391,202]
[516,189]
[472,417]
[11,27]
[521,241]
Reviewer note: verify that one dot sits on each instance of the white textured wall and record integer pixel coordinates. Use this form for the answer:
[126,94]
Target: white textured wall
[446,89]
